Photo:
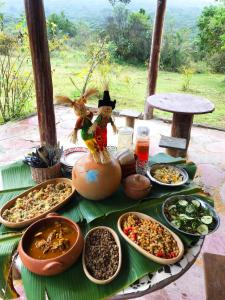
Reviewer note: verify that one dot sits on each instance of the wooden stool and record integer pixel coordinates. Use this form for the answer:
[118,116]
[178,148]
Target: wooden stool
[214,269]
[174,145]
[130,117]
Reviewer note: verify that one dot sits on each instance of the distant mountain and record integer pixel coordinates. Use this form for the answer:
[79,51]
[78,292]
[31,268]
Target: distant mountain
[184,13]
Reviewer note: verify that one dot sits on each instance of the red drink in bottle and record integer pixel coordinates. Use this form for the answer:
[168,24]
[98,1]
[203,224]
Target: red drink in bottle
[142,143]
[142,150]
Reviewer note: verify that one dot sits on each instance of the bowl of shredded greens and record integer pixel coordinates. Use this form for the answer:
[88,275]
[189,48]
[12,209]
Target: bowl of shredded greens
[190,215]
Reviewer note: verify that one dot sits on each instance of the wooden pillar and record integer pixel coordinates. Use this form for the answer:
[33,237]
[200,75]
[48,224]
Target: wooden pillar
[155,54]
[36,24]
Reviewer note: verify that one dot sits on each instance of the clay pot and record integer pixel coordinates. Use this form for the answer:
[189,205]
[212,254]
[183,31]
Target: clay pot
[96,181]
[53,266]
[136,186]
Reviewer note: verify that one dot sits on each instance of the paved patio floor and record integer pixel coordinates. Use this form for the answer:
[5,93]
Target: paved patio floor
[207,150]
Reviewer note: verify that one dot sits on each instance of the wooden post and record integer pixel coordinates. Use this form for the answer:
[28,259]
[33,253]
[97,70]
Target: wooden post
[155,54]
[36,24]
[181,128]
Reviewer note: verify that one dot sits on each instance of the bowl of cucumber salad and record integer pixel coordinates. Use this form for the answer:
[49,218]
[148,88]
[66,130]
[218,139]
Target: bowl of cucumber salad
[190,215]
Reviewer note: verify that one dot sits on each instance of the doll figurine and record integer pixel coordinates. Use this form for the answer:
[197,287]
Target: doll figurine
[83,121]
[99,127]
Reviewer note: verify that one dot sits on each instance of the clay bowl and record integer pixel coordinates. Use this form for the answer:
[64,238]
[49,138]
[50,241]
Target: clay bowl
[136,186]
[42,215]
[53,266]
[164,261]
[89,276]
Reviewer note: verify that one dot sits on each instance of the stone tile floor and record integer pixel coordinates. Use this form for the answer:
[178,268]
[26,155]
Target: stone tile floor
[207,150]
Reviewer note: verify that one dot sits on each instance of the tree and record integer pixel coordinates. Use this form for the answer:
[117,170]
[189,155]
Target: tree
[59,24]
[130,32]
[176,49]
[114,2]
[211,36]
[211,26]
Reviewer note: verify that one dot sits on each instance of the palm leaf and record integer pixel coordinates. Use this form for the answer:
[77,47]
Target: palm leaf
[8,244]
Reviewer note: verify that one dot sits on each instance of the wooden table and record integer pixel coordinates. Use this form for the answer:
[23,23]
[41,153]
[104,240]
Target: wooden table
[183,107]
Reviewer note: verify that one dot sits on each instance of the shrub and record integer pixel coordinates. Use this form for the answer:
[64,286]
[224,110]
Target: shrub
[15,83]
[217,62]
[187,73]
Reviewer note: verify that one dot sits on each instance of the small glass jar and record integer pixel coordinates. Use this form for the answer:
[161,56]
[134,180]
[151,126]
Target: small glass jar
[142,143]
[125,138]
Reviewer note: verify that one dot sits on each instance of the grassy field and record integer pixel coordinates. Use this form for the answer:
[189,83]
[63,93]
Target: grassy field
[128,85]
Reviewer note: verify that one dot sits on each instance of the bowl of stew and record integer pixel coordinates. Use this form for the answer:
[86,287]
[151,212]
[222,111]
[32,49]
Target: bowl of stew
[51,245]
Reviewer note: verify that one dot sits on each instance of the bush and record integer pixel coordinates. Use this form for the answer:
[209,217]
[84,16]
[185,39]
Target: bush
[59,24]
[200,67]
[16,86]
[176,50]
[6,43]
[217,62]
[187,73]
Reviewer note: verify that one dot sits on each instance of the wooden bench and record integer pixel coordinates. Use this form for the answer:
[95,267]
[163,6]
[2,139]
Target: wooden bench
[130,116]
[173,144]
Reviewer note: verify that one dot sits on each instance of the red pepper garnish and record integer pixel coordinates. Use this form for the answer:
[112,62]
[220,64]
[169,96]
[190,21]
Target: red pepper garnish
[172,254]
[160,253]
[127,230]
[133,236]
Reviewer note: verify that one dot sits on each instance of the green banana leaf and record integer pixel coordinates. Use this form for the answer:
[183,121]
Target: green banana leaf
[16,176]
[8,244]
[73,284]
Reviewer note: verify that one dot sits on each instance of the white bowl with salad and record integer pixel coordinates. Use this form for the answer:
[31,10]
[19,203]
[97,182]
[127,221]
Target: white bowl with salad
[190,215]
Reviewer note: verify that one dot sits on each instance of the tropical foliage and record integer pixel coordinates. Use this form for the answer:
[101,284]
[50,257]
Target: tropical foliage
[211,37]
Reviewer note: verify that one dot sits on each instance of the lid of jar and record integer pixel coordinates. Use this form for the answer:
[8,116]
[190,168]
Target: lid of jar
[137,182]
[126,130]
[143,131]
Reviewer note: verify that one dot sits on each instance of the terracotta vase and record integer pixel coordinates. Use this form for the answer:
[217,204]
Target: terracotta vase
[96,181]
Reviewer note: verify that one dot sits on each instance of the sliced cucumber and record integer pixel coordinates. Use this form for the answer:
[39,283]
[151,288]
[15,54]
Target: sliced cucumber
[176,223]
[185,217]
[203,229]
[183,202]
[196,203]
[206,219]
[190,208]
[171,206]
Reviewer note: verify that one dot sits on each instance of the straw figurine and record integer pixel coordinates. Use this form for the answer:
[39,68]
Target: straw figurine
[99,127]
[83,122]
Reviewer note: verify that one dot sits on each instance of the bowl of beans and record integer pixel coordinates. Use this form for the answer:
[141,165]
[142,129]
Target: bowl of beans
[102,255]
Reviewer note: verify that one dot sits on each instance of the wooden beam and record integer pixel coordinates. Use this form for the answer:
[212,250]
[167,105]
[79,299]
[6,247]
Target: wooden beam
[155,54]
[36,24]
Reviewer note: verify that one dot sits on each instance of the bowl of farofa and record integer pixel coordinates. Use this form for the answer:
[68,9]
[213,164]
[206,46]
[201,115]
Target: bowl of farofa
[167,175]
[36,202]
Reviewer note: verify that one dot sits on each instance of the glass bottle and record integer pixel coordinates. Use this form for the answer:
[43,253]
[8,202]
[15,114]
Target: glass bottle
[142,143]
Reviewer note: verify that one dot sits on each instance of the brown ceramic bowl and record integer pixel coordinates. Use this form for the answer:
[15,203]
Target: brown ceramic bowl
[27,222]
[136,186]
[53,266]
